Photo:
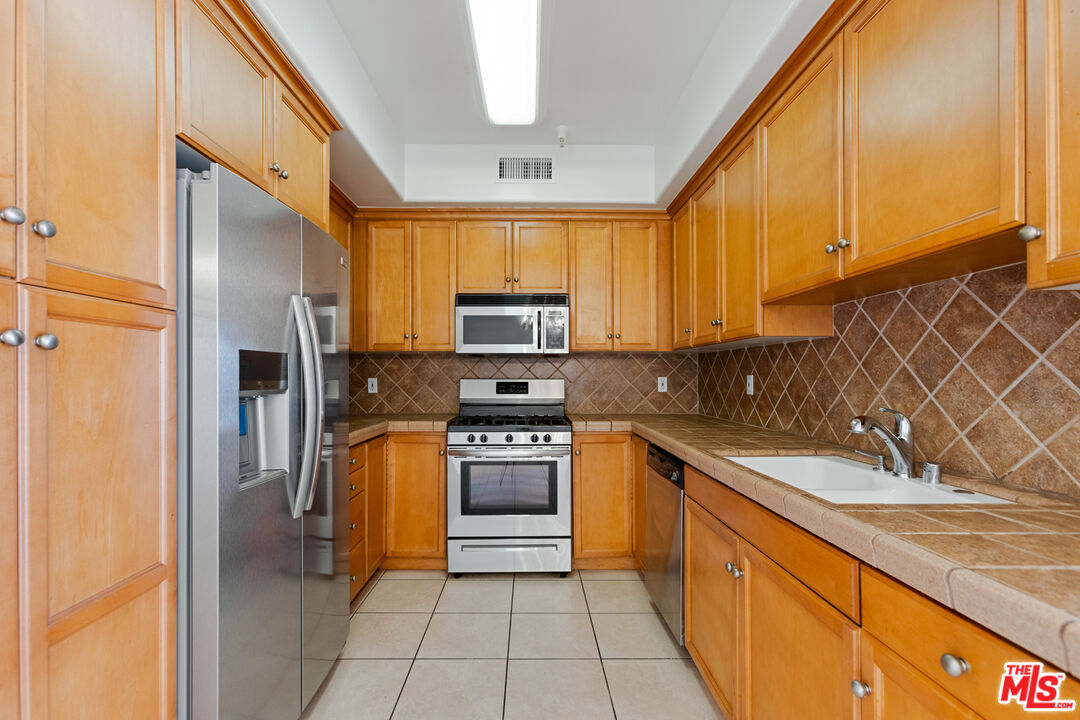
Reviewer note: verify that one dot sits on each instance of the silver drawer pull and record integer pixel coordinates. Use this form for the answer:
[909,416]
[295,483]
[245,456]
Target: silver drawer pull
[13,215]
[954,665]
[12,337]
[860,689]
[47,341]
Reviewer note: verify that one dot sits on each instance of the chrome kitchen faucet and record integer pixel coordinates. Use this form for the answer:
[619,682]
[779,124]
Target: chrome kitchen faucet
[900,441]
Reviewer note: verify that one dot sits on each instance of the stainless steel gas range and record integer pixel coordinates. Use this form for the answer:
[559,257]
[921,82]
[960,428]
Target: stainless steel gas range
[508,475]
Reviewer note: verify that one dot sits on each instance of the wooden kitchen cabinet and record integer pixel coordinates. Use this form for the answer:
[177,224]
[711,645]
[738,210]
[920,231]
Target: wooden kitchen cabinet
[375,505]
[603,509]
[712,603]
[682,285]
[433,285]
[9,508]
[1053,142]
[591,286]
[541,257]
[367,511]
[496,256]
[388,262]
[340,224]
[639,449]
[485,257]
[705,224]
[101,173]
[739,242]
[302,149]
[927,175]
[416,496]
[801,140]
[9,185]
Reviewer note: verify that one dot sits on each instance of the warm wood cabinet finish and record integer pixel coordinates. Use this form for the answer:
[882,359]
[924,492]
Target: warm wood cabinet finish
[922,176]
[602,500]
[485,256]
[9,509]
[739,242]
[341,212]
[541,257]
[1053,142]
[11,194]
[682,286]
[367,511]
[639,449]
[434,252]
[501,256]
[898,690]
[388,262]
[416,495]
[241,101]
[591,286]
[706,262]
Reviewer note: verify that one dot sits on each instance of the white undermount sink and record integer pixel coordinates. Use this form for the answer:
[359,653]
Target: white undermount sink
[844,482]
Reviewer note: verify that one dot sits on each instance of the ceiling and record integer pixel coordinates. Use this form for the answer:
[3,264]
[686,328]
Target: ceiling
[610,69]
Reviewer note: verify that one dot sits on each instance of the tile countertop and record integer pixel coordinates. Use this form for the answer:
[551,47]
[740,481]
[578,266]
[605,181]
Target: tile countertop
[366,427]
[1013,569]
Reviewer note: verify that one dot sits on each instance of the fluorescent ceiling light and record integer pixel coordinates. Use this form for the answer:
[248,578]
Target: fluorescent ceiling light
[505,36]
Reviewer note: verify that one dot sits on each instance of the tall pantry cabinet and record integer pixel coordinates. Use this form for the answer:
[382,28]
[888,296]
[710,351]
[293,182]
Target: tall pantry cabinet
[87,344]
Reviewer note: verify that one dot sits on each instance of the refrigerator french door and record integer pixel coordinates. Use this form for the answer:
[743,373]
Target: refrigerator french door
[264,595]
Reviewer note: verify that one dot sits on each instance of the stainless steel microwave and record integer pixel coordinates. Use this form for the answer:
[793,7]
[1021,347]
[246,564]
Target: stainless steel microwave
[519,324]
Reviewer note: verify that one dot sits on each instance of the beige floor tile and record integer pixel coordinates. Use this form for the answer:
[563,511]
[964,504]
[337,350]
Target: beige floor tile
[468,636]
[403,596]
[453,690]
[360,690]
[633,635]
[552,635]
[563,689]
[552,596]
[570,576]
[414,574]
[385,635]
[610,575]
[617,596]
[476,596]
[650,689]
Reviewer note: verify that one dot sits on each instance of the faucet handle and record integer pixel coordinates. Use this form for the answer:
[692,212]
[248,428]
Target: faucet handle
[903,423]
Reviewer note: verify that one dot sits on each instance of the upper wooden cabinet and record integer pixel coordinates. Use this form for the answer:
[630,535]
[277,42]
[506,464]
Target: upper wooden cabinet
[340,225]
[705,221]
[433,262]
[739,245]
[240,101]
[801,140]
[9,188]
[935,135]
[603,506]
[485,257]
[1053,142]
[591,288]
[541,257]
[416,496]
[682,286]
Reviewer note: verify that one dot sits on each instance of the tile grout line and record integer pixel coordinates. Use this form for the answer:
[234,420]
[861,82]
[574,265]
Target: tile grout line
[509,633]
[416,653]
[599,654]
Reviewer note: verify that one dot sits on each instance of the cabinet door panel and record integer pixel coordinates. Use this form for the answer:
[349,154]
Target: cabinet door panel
[639,449]
[302,149]
[433,284]
[1053,137]
[9,511]
[100,555]
[9,187]
[226,93]
[389,251]
[603,511]
[925,175]
[739,242]
[590,286]
[376,504]
[541,257]
[636,291]
[100,88]
[801,654]
[682,278]
[802,190]
[705,209]
[712,603]
[900,692]
[416,496]
[484,257]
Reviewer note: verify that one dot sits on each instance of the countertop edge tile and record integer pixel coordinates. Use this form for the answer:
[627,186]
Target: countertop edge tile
[922,569]
[1070,636]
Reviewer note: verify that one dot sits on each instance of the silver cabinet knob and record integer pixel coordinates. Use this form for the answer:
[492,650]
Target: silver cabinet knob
[859,689]
[12,337]
[728,567]
[515,278]
[507,278]
[954,665]
[609,336]
[275,168]
[352,526]
[406,336]
[686,330]
[1027,233]
[44,228]
[352,486]
[352,578]
[13,215]
[735,572]
[47,341]
[442,452]
[284,174]
[577,452]
[830,249]
[843,243]
[618,336]
[415,335]
[352,461]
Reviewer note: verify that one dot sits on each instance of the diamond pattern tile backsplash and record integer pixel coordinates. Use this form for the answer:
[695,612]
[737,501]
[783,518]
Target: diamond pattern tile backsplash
[595,382]
[988,371]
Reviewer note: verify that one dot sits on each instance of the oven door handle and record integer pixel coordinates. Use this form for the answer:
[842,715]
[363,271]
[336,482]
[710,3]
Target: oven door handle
[510,454]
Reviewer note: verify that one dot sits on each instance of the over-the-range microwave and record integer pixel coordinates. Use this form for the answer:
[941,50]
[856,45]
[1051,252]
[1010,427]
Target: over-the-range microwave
[512,324]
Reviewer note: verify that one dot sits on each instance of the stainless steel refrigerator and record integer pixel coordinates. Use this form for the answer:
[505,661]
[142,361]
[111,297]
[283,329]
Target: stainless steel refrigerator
[263,439]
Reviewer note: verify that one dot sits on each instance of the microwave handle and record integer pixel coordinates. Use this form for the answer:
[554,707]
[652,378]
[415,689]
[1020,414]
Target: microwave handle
[540,330]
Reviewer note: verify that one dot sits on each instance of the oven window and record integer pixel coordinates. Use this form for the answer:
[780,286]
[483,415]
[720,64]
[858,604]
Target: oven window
[498,329]
[509,488]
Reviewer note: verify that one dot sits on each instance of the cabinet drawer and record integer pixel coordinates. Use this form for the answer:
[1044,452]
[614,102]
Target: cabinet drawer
[357,482]
[921,631]
[831,573]
[357,519]
[357,575]
[357,457]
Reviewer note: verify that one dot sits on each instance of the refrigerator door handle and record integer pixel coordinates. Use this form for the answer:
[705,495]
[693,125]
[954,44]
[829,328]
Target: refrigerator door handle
[310,439]
[320,399]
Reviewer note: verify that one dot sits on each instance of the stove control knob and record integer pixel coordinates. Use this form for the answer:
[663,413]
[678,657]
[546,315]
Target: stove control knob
[483,438]
[547,438]
[509,438]
[471,438]
[535,438]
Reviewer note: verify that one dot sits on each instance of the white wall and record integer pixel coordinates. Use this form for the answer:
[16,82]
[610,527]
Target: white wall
[586,175]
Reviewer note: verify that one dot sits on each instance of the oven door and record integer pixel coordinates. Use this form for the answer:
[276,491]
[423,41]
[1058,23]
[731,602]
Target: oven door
[508,492]
[510,330]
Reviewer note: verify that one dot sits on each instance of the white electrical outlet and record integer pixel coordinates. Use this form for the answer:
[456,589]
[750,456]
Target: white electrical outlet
[661,384]
[373,385]
[749,384]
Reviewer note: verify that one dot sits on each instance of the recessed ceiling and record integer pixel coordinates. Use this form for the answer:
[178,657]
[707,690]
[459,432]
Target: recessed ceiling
[610,69]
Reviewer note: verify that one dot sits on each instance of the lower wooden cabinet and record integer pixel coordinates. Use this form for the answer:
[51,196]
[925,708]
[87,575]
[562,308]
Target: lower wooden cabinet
[416,496]
[367,511]
[9,511]
[603,513]
[640,451]
[376,504]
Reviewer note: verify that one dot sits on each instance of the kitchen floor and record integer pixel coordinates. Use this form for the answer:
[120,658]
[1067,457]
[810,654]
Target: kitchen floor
[423,646]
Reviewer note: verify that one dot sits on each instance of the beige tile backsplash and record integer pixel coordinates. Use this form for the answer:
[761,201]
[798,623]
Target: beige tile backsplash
[988,371]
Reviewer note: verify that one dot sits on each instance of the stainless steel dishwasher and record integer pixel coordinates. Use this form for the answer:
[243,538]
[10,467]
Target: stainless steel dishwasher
[664,537]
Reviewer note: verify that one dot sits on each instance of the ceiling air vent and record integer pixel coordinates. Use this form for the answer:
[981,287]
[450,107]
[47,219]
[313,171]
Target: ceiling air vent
[526,170]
